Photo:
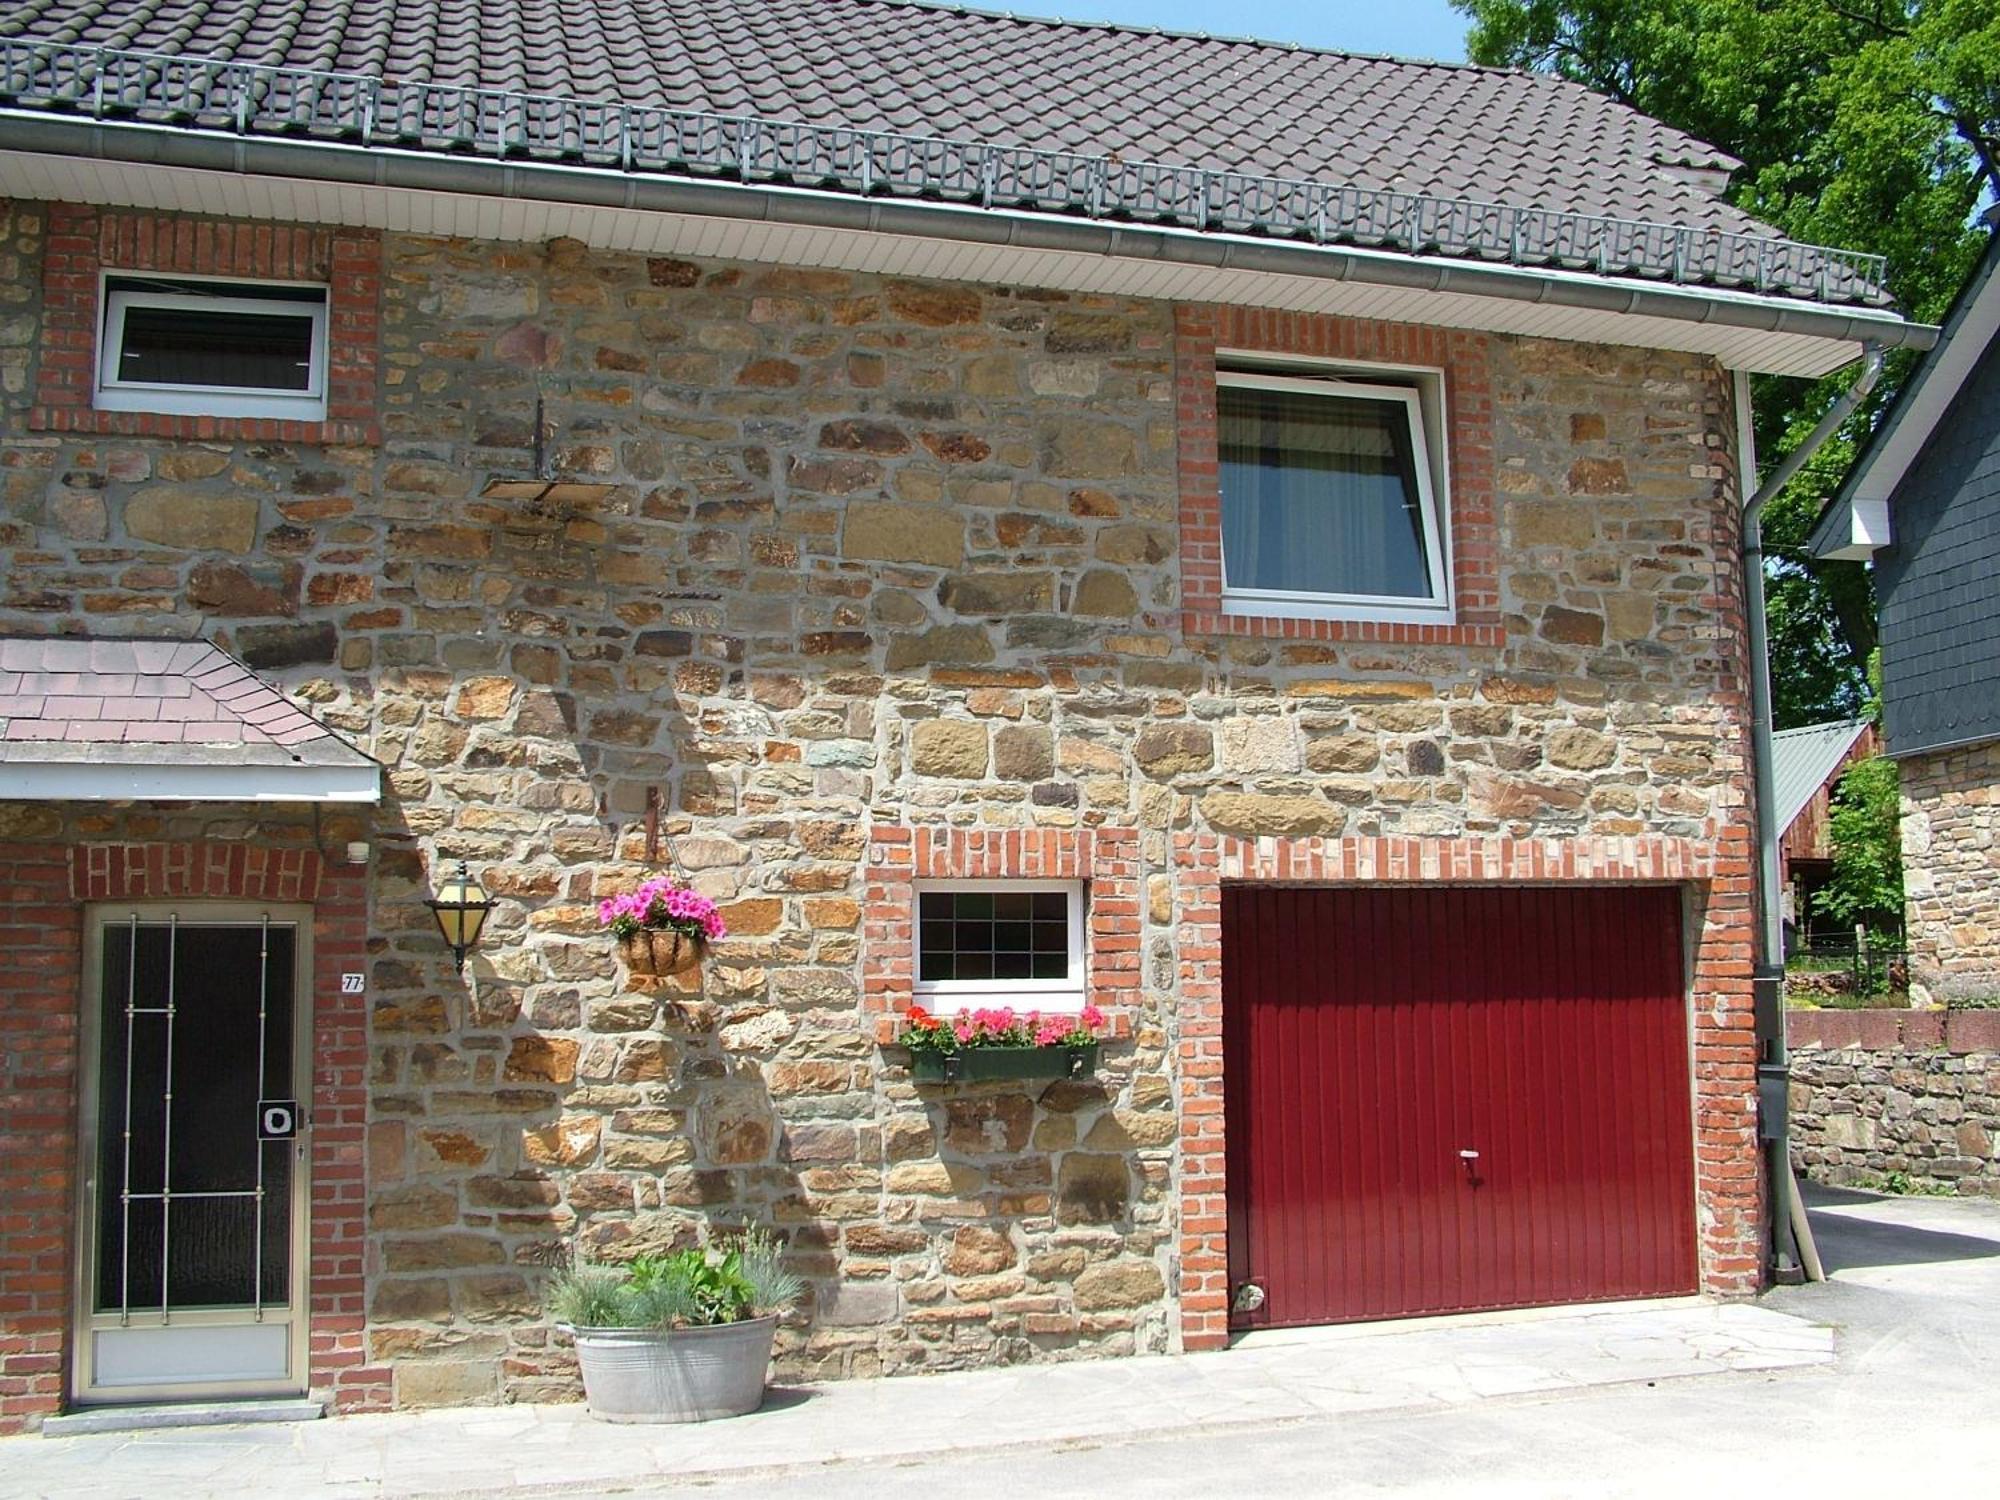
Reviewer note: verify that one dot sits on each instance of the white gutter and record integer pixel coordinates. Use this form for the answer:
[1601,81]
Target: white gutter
[98,781]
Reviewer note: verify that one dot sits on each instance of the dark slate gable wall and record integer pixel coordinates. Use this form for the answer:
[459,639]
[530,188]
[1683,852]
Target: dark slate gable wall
[1939,586]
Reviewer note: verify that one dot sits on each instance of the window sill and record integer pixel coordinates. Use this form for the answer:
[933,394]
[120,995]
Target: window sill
[153,424]
[1118,1023]
[1473,632]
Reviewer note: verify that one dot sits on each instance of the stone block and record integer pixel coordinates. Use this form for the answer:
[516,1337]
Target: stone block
[1092,1188]
[1105,594]
[891,531]
[1012,592]
[1023,752]
[1119,1283]
[1260,744]
[1164,751]
[953,748]
[859,1304]
[1254,815]
[193,519]
[977,1250]
[470,1382]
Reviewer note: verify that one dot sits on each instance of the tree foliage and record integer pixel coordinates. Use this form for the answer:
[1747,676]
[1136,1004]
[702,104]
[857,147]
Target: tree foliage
[1867,124]
[1865,822]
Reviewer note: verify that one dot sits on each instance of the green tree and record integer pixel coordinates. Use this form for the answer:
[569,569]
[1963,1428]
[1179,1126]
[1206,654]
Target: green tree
[1868,124]
[1865,822]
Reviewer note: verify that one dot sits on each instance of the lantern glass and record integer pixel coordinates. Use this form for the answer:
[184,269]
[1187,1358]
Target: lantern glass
[461,905]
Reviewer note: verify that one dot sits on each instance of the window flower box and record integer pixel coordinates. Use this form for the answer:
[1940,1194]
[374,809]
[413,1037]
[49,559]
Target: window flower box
[988,1064]
[978,1046]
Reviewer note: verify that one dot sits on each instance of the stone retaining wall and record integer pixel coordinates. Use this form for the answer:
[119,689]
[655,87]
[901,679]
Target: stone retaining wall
[1912,1092]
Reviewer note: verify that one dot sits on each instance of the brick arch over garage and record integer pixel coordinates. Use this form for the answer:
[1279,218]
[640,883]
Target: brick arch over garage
[44,888]
[1713,873]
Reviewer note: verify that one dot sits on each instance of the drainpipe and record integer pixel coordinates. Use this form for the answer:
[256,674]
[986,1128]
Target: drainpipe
[1789,1231]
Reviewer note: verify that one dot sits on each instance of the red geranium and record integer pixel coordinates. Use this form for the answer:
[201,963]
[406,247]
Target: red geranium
[1003,1027]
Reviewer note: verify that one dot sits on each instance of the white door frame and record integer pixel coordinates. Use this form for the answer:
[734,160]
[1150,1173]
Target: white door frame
[216,1341]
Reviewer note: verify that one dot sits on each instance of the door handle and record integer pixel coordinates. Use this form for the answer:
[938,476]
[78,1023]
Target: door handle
[1468,1156]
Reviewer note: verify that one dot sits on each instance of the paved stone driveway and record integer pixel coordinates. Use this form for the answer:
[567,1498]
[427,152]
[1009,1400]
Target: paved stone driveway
[1585,1403]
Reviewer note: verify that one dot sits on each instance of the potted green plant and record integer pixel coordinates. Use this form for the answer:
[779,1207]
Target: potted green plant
[979,1045]
[661,926]
[683,1337]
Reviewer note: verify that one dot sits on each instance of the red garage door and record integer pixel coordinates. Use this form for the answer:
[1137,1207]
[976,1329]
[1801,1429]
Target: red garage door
[1458,1098]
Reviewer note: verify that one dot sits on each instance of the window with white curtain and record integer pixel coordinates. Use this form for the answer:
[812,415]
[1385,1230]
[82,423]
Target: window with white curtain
[213,348]
[1332,502]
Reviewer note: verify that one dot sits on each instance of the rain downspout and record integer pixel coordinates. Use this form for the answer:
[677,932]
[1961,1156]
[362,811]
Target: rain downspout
[1789,1233]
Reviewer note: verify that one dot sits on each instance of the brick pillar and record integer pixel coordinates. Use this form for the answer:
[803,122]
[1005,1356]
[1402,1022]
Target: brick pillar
[41,931]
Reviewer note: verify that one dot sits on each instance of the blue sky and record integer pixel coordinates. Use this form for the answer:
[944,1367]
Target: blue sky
[1406,28]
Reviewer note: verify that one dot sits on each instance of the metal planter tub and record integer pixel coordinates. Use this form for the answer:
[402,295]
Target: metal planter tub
[675,1375]
[984,1064]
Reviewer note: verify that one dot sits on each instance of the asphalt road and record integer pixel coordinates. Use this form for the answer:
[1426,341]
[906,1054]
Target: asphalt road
[1910,1408]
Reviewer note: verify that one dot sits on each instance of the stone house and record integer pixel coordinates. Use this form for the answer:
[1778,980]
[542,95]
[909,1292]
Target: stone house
[834,457]
[1922,505]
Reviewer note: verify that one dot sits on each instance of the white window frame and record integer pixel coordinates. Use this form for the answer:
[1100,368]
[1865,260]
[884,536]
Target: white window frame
[113,393]
[949,997]
[1423,403]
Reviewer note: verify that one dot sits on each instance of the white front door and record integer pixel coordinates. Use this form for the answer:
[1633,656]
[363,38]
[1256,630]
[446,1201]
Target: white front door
[197,1049]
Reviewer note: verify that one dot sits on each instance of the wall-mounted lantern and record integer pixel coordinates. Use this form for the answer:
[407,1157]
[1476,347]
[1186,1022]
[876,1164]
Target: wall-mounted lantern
[460,906]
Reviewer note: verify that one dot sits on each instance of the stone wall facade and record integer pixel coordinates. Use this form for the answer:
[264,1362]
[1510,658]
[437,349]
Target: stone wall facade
[1915,1093]
[1951,871]
[878,567]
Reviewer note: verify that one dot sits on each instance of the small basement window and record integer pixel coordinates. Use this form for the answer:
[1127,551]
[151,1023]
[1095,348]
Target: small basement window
[1000,942]
[213,348]
[1331,503]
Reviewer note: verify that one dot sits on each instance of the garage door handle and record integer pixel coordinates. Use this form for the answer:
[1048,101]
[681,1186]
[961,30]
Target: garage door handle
[1468,1156]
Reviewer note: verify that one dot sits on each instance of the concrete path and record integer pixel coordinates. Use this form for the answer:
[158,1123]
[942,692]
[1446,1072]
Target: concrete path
[1879,1382]
[1268,1380]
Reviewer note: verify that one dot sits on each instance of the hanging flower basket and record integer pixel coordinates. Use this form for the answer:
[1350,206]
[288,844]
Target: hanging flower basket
[659,951]
[661,927]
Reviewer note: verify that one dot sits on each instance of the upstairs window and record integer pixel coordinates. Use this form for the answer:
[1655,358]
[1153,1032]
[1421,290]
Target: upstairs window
[1331,496]
[213,348]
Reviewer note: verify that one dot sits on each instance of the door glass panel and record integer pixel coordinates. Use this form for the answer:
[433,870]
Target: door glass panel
[192,1204]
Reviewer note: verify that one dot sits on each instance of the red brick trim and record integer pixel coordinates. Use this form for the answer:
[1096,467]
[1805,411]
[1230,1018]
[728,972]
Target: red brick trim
[84,241]
[337,1364]
[1468,401]
[1714,869]
[899,857]
[43,888]
[219,872]
[41,929]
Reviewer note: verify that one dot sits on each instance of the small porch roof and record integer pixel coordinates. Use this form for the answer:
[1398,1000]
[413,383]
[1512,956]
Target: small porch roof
[119,720]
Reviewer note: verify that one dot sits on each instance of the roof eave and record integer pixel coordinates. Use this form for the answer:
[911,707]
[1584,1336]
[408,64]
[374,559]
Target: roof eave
[64,780]
[1857,522]
[377,168]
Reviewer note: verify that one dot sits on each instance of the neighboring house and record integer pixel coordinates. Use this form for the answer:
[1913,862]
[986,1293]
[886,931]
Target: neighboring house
[1806,764]
[1923,503]
[1304,581]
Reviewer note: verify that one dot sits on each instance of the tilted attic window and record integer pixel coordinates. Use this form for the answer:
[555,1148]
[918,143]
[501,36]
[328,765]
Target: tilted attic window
[1333,494]
[1000,942]
[213,348]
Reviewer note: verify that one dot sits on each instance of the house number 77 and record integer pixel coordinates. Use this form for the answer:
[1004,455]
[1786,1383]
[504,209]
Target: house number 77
[351,984]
